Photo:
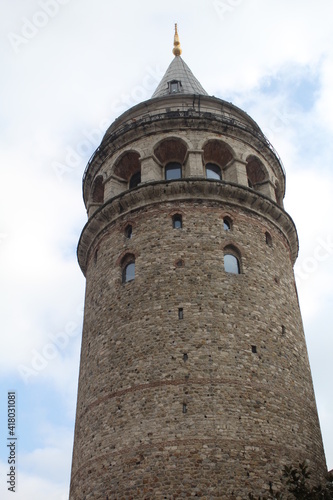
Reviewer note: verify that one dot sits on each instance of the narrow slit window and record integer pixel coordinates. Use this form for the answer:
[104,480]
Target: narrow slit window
[254,349]
[128,231]
[128,272]
[184,407]
[268,239]
[226,224]
[177,222]
[180,313]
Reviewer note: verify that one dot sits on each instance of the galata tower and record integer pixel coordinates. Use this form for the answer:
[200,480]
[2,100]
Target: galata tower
[194,375]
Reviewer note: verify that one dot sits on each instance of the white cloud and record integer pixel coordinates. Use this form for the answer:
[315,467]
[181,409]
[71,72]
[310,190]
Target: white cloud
[32,487]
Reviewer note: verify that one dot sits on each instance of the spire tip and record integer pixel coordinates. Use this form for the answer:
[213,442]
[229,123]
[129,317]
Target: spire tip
[176,43]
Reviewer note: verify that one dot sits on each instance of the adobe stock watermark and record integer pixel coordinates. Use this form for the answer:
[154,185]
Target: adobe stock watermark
[224,7]
[279,120]
[322,252]
[31,27]
[91,139]
[57,343]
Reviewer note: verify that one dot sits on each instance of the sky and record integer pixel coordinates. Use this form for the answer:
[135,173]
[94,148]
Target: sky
[69,68]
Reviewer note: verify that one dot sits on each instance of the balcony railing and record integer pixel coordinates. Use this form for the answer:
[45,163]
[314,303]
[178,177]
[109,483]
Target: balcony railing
[225,120]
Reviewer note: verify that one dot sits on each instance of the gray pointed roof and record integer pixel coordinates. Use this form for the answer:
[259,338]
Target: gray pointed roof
[179,71]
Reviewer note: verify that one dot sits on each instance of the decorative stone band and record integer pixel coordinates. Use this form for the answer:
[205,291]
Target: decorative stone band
[182,190]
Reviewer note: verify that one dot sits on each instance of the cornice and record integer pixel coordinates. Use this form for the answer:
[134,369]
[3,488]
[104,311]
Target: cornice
[190,189]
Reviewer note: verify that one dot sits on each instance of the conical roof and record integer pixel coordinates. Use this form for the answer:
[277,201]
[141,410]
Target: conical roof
[178,77]
[178,71]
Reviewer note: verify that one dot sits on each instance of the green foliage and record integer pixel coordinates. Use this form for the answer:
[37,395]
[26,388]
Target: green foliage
[296,482]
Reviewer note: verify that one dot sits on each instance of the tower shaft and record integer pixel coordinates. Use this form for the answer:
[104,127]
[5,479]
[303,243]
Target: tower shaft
[194,375]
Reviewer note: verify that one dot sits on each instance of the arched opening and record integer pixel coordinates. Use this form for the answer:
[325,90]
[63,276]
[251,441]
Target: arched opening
[128,231]
[128,168]
[98,190]
[171,150]
[232,262]
[217,154]
[128,268]
[227,223]
[128,272]
[177,221]
[256,172]
[268,239]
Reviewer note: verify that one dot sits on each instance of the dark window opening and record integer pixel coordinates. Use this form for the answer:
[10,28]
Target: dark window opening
[268,239]
[231,264]
[184,407]
[254,349]
[180,313]
[128,272]
[177,222]
[128,231]
[135,180]
[96,256]
[173,170]
[213,171]
[185,356]
[174,86]
[226,224]
[180,263]
[283,329]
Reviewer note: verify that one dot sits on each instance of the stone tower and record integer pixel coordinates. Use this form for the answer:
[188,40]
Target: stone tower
[194,375]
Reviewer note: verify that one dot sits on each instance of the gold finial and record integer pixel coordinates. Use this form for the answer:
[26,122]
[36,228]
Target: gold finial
[176,43]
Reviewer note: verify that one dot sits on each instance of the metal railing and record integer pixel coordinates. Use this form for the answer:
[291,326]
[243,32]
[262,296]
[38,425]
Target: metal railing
[150,118]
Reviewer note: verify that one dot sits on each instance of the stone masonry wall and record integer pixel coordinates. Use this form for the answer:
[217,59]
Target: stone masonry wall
[212,405]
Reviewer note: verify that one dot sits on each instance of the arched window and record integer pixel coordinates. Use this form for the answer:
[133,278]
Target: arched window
[213,171]
[177,222]
[268,239]
[227,224]
[128,231]
[256,172]
[232,260]
[173,170]
[127,166]
[128,273]
[217,153]
[135,180]
[231,264]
